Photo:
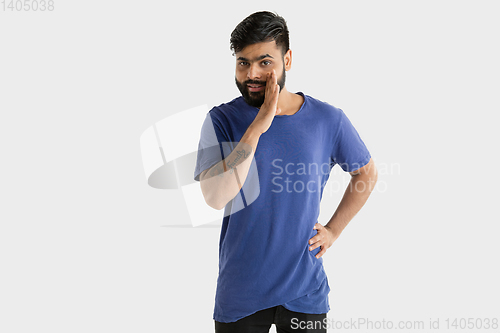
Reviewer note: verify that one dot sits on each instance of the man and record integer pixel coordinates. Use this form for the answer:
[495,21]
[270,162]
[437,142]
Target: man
[282,146]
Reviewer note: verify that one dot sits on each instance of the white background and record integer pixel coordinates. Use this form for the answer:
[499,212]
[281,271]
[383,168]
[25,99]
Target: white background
[87,246]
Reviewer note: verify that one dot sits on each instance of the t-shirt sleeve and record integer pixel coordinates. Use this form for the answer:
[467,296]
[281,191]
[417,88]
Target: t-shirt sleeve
[209,151]
[350,152]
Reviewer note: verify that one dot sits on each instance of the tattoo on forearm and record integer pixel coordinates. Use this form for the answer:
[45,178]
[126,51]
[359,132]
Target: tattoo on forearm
[239,155]
[221,167]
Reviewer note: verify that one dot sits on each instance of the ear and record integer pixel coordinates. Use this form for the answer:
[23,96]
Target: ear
[287,59]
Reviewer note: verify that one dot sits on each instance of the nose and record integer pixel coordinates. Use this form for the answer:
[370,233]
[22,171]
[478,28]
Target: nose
[254,73]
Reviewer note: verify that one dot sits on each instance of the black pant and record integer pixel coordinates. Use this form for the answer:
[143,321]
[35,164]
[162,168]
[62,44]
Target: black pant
[286,321]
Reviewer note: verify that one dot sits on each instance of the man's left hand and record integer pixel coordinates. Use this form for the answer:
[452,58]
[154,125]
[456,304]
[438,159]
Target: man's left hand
[324,238]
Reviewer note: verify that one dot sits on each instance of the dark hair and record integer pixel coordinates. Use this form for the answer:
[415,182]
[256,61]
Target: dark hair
[260,27]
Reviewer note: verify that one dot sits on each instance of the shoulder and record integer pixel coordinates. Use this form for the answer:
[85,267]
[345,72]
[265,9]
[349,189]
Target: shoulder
[225,109]
[236,115]
[326,109]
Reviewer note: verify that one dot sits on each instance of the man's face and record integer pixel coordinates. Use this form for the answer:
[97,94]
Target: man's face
[253,63]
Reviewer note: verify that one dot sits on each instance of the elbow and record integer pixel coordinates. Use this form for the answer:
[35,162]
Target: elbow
[368,175]
[374,174]
[213,199]
[217,205]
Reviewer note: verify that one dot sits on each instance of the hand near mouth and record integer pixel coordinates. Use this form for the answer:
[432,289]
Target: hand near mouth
[269,108]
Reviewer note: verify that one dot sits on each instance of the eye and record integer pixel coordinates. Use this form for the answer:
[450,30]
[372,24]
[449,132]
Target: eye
[266,63]
[243,63]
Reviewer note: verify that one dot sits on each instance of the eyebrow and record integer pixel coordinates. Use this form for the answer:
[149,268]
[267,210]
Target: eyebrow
[267,55]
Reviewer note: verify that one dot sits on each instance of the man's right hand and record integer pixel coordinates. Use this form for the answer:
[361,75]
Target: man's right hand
[269,108]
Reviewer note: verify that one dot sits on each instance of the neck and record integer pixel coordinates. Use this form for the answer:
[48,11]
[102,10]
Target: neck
[287,102]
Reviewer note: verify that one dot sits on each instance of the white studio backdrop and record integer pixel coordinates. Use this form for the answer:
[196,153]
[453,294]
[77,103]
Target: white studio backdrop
[87,245]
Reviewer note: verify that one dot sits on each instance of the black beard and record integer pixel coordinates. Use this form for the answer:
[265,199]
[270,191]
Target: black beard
[256,99]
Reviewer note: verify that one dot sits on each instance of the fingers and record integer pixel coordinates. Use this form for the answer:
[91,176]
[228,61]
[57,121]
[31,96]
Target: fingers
[319,240]
[318,226]
[272,87]
[316,242]
[322,246]
[269,86]
[275,85]
[317,237]
[320,253]
[315,246]
[275,96]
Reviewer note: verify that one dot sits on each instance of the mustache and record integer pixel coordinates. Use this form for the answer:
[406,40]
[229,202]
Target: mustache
[262,83]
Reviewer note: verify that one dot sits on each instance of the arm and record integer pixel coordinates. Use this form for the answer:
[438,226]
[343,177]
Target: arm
[359,189]
[222,182]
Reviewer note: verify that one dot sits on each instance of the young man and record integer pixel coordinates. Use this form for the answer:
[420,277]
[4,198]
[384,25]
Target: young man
[275,155]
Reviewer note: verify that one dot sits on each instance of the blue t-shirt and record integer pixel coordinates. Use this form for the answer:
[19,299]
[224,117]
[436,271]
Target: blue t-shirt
[264,257]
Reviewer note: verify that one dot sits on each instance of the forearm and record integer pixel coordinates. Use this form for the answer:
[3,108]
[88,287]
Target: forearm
[222,182]
[355,196]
